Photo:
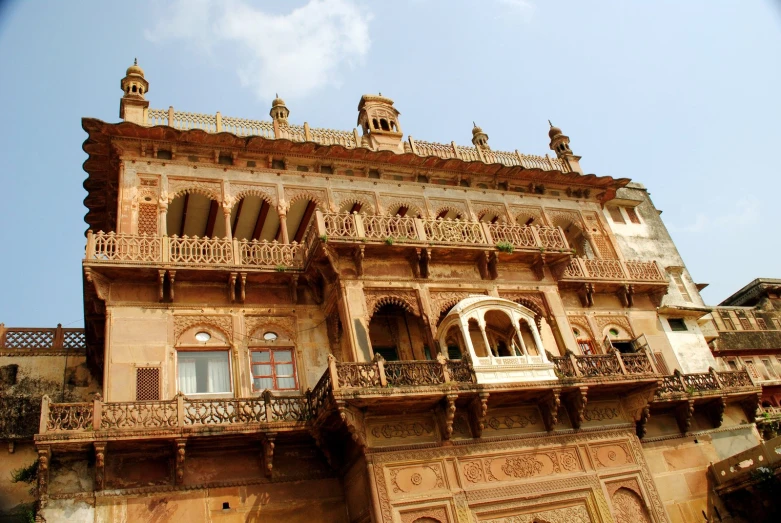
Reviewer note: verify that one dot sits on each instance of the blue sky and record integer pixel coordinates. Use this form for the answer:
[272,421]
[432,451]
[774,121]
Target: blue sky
[680,96]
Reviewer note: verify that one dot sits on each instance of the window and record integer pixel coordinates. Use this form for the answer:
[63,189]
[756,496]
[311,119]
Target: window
[204,372]
[615,213]
[633,217]
[744,323]
[273,369]
[732,365]
[761,324]
[768,371]
[751,368]
[147,383]
[586,347]
[453,352]
[277,164]
[681,287]
[388,353]
[162,154]
[677,324]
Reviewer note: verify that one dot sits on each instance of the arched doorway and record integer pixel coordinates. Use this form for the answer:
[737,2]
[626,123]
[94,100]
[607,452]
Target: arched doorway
[195,214]
[254,218]
[395,333]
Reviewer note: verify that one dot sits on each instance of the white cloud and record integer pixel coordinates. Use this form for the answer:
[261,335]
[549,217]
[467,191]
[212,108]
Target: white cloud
[294,53]
[745,212]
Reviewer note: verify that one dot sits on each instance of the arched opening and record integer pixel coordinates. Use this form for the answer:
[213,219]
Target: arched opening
[501,334]
[253,218]
[447,213]
[476,337]
[454,343]
[299,217]
[203,363]
[194,214]
[397,334]
[489,217]
[384,124]
[355,206]
[374,122]
[618,338]
[575,237]
[528,338]
[402,210]
[584,341]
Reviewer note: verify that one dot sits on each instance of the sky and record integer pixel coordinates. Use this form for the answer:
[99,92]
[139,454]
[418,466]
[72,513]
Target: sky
[680,96]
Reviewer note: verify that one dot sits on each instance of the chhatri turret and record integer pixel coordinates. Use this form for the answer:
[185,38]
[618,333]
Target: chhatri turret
[559,143]
[479,138]
[379,121]
[279,111]
[133,105]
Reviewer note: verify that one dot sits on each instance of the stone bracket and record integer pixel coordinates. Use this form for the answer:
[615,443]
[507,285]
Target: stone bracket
[358,256]
[586,294]
[683,415]
[447,414]
[268,451]
[640,425]
[493,265]
[715,411]
[538,267]
[626,295]
[293,284]
[550,408]
[575,402]
[423,258]
[100,464]
[181,443]
[478,410]
[751,405]
[232,277]
[354,421]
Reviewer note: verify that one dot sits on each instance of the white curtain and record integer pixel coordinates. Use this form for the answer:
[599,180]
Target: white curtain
[219,375]
[187,380]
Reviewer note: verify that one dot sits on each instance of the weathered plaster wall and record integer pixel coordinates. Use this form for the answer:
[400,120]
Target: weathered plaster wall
[679,463]
[14,495]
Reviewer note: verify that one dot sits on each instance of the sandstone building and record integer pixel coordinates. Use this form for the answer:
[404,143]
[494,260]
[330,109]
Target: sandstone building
[286,323]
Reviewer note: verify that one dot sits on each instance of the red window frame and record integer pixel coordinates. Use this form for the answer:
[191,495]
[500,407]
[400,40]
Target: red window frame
[586,347]
[273,364]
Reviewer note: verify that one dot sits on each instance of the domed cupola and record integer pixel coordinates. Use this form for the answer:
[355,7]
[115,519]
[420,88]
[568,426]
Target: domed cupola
[134,86]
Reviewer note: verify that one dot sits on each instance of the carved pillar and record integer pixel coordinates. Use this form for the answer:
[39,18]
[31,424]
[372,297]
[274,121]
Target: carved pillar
[226,213]
[44,457]
[180,456]
[468,340]
[162,224]
[485,341]
[268,452]
[283,224]
[538,341]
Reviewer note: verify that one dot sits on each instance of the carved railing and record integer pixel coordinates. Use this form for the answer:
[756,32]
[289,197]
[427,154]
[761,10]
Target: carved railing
[412,373]
[318,397]
[518,235]
[125,247]
[703,383]
[468,154]
[453,231]
[383,227]
[184,121]
[333,137]
[339,225]
[200,251]
[459,371]
[67,417]
[246,127]
[637,363]
[184,250]
[295,133]
[603,365]
[563,366]
[224,411]
[358,375]
[613,270]
[598,365]
[58,338]
[139,414]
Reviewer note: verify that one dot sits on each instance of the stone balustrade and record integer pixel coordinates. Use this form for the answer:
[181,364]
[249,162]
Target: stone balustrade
[392,229]
[579,366]
[216,123]
[195,251]
[613,270]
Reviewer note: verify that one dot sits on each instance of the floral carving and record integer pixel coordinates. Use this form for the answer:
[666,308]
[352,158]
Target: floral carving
[220,322]
[619,320]
[629,507]
[522,466]
[293,194]
[210,189]
[406,299]
[403,430]
[415,206]
[264,192]
[254,324]
[473,472]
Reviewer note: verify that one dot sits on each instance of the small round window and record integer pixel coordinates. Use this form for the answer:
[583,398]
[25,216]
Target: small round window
[614,332]
[270,336]
[203,336]
[576,332]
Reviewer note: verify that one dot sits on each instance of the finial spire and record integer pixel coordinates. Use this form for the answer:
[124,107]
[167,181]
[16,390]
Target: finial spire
[135,61]
[276,95]
[474,124]
[549,123]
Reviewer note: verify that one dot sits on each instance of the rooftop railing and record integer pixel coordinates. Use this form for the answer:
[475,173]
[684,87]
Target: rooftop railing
[713,381]
[192,250]
[613,270]
[36,338]
[216,123]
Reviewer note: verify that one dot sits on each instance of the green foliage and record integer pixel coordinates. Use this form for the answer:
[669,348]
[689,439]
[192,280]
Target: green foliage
[324,238]
[26,474]
[505,246]
[389,240]
[280,268]
[690,390]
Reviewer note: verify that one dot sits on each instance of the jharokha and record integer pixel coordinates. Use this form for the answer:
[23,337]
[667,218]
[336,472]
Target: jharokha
[286,323]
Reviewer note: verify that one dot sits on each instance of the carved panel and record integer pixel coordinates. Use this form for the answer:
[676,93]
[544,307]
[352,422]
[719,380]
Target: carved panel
[563,217]
[628,507]
[610,455]
[220,322]
[603,413]
[416,479]
[576,514]
[456,206]
[513,421]
[521,466]
[522,215]
[147,218]
[581,323]
[426,515]
[490,208]
[384,432]
[404,298]
[531,300]
[286,324]
[442,301]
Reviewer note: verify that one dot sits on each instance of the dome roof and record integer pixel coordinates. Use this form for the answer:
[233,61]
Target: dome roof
[277,101]
[476,129]
[553,130]
[135,69]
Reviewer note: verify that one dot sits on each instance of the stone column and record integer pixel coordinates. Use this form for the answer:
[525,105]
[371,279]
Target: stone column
[468,341]
[283,225]
[226,212]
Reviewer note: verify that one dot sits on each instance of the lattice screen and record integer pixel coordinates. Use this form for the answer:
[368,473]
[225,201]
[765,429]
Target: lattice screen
[147,383]
[29,339]
[147,218]
[603,246]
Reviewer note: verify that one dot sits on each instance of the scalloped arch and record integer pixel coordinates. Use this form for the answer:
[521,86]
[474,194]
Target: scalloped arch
[393,300]
[411,207]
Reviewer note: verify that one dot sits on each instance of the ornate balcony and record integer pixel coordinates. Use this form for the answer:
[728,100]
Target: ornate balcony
[17,341]
[184,251]
[625,277]
[453,238]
